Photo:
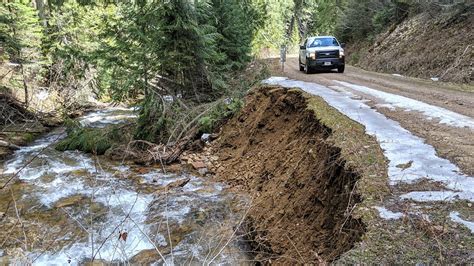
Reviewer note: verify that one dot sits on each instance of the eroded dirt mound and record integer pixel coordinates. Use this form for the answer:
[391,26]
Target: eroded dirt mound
[303,193]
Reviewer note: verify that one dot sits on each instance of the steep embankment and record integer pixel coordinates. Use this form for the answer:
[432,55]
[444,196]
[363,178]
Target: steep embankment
[307,168]
[424,46]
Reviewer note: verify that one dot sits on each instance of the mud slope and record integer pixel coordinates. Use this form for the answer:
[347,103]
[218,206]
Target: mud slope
[423,46]
[304,191]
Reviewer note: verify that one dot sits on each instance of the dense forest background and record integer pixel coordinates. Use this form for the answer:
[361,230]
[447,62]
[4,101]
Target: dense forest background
[176,59]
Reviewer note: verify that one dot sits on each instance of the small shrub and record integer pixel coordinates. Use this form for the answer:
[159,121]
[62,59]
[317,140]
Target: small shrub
[220,113]
[354,58]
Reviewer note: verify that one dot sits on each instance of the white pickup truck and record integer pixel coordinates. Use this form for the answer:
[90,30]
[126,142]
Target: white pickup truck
[321,52]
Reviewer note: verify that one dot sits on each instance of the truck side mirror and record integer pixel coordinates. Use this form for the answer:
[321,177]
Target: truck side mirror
[302,47]
[343,45]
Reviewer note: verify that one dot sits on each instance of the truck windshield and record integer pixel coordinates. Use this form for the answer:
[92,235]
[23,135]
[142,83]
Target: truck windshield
[322,42]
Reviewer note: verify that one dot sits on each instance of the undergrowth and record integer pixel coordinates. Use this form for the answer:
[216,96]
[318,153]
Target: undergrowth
[219,114]
[91,140]
[237,89]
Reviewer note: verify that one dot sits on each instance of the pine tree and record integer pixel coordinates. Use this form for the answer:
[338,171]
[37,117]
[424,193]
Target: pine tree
[235,22]
[20,36]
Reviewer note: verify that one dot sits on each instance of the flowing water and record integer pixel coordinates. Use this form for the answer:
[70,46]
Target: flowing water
[69,207]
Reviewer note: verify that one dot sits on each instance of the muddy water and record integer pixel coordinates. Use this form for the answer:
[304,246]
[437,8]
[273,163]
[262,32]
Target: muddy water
[69,207]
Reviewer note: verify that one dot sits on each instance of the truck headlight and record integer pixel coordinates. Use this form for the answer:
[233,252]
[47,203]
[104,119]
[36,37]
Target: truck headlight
[341,53]
[312,55]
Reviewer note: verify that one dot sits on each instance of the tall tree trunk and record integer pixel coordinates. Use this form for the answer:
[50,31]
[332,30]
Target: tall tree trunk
[41,12]
[25,86]
[302,29]
[291,26]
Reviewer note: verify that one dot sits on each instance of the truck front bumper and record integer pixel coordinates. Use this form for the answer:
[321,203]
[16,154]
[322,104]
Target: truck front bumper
[326,63]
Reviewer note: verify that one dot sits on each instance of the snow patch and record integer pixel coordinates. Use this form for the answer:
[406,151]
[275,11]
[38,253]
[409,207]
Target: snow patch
[388,215]
[426,196]
[432,112]
[455,218]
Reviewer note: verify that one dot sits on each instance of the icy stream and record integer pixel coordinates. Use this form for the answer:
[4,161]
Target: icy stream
[74,207]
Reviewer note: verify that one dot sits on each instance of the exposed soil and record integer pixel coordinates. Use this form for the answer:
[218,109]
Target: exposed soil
[425,234]
[423,46]
[455,144]
[302,187]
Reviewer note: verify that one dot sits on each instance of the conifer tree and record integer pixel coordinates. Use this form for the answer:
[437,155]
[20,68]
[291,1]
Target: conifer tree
[20,36]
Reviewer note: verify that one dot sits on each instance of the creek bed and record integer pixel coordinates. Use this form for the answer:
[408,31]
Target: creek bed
[69,207]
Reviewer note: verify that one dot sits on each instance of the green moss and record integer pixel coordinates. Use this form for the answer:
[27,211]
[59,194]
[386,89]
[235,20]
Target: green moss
[91,140]
[29,137]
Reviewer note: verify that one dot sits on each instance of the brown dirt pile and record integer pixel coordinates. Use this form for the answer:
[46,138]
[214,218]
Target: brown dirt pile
[303,190]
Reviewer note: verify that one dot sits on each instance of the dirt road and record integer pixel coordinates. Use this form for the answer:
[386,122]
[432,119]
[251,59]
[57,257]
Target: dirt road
[434,111]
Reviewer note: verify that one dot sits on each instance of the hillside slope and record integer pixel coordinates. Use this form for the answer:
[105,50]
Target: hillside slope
[422,46]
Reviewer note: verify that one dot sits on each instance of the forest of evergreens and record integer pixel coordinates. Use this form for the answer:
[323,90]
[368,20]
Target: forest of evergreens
[148,51]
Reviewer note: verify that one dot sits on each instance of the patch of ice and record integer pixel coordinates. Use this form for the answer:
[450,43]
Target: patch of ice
[433,112]
[388,215]
[400,145]
[271,80]
[397,75]
[455,218]
[426,196]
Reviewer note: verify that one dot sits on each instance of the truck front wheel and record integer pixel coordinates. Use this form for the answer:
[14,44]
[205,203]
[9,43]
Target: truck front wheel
[340,69]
